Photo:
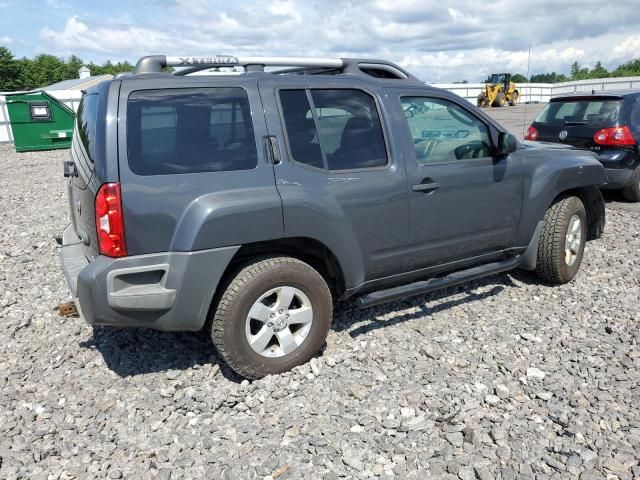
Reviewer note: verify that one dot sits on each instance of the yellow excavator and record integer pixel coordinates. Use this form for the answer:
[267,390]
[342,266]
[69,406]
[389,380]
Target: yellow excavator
[499,91]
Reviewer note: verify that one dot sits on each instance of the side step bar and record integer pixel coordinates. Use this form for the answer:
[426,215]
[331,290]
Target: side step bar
[426,286]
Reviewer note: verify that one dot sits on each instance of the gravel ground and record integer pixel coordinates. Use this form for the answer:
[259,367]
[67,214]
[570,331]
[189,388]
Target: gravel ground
[499,378]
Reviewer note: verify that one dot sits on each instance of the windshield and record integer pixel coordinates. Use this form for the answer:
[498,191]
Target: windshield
[498,78]
[584,112]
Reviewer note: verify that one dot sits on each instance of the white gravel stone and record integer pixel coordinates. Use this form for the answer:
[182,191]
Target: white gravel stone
[534,372]
[83,402]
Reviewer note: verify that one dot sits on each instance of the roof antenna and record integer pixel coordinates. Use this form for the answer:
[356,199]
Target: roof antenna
[524,115]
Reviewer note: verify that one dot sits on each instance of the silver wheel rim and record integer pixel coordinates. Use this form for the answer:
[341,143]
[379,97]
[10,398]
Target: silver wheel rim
[279,322]
[573,240]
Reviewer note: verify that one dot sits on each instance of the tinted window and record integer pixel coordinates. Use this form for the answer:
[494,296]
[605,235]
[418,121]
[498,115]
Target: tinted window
[86,119]
[342,133]
[349,129]
[300,127]
[589,112]
[442,131]
[190,130]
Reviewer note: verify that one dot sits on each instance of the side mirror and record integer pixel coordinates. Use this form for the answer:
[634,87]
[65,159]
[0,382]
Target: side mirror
[507,144]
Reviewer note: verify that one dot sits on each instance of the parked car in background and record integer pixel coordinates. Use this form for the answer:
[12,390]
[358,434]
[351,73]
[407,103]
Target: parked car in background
[607,123]
[251,202]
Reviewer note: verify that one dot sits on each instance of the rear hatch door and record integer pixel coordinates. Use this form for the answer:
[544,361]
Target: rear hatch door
[83,186]
[194,164]
[575,120]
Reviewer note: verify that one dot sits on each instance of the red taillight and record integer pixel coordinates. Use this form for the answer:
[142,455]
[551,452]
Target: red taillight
[109,222]
[614,136]
[532,133]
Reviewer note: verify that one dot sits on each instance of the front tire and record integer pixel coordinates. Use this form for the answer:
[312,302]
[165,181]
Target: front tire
[514,99]
[500,100]
[631,190]
[274,315]
[562,241]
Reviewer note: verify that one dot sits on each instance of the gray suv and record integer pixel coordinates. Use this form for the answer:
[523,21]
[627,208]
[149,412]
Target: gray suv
[249,201]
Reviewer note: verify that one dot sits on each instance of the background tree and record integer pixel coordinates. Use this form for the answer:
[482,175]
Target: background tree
[43,70]
[578,72]
[9,71]
[109,68]
[71,67]
[552,77]
[629,69]
[598,71]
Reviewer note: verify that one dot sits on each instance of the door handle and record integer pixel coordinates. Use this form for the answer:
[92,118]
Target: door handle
[426,187]
[273,149]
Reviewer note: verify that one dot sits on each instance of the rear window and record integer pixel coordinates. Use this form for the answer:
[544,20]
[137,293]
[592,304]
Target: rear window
[190,130]
[586,112]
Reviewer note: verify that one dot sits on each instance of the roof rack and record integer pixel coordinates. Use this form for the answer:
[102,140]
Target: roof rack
[295,65]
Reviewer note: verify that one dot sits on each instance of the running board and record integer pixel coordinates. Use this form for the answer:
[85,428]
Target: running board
[426,286]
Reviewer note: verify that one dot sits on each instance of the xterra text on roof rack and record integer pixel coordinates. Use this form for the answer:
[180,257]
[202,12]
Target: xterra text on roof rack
[251,202]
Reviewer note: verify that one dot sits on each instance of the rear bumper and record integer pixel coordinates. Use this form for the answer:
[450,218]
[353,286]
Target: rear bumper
[619,165]
[618,178]
[165,291]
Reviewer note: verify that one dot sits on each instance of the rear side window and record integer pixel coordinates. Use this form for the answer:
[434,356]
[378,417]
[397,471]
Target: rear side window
[190,130]
[335,129]
[86,120]
[301,128]
[585,112]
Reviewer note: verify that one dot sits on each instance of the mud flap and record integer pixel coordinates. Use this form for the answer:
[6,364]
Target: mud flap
[529,258]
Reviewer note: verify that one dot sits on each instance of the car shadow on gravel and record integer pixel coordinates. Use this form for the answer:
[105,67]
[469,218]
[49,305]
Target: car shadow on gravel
[136,351]
[347,314]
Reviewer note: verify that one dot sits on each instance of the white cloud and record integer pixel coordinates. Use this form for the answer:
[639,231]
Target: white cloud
[188,8]
[57,4]
[77,35]
[284,8]
[455,14]
[628,48]
[436,42]
[4,40]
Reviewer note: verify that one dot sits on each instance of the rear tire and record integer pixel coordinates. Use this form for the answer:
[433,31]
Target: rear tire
[562,241]
[500,100]
[514,99]
[631,190]
[274,315]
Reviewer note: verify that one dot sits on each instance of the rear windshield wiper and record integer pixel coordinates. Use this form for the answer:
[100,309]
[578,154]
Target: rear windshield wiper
[575,122]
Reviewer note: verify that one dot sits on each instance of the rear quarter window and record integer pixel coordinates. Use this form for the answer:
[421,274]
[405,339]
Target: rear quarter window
[86,124]
[190,130]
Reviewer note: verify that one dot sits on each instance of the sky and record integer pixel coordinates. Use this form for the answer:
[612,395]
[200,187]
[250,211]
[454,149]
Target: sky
[436,40]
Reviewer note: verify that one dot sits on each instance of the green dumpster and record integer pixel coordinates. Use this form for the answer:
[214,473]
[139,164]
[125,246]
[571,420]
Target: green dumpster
[39,121]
